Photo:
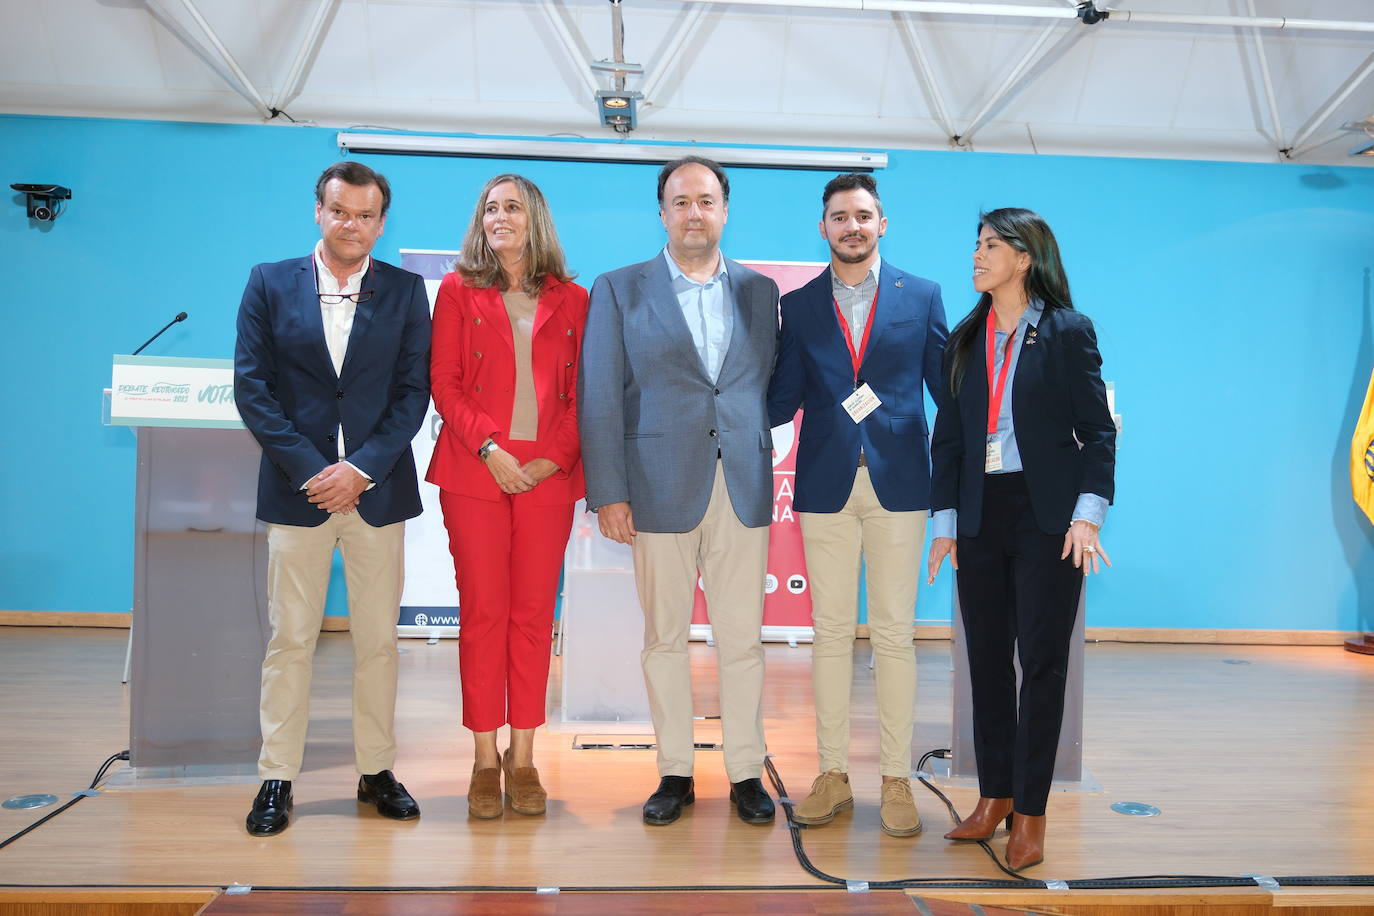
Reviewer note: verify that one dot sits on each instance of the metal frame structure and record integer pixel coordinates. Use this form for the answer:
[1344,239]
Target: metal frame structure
[305,55]
[1075,11]
[1043,52]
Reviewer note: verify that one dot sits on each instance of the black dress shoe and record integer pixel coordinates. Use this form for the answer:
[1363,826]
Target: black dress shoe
[271,809]
[665,805]
[752,802]
[390,797]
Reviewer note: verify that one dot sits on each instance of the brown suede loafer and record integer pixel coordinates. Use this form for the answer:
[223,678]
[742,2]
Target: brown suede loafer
[526,795]
[484,794]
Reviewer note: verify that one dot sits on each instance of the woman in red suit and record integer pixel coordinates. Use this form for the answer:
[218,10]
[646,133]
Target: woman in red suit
[507,331]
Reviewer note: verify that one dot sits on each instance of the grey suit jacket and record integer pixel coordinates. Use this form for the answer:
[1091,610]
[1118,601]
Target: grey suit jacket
[651,420]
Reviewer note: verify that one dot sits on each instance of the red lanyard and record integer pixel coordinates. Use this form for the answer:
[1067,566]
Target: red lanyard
[996,390]
[856,357]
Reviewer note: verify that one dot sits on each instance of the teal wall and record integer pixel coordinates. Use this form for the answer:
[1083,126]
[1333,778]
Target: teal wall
[1232,304]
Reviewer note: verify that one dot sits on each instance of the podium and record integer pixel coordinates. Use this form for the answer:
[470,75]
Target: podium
[200,625]
[1068,761]
[602,631]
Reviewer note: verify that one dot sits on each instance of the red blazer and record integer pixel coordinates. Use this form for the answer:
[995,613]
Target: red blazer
[472,379]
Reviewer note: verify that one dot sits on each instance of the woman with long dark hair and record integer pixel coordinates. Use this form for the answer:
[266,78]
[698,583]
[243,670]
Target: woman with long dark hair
[1023,462]
[507,333]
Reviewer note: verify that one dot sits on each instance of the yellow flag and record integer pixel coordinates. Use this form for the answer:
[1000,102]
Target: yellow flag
[1362,455]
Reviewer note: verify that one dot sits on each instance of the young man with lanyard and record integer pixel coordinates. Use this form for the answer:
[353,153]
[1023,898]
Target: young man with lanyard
[856,346]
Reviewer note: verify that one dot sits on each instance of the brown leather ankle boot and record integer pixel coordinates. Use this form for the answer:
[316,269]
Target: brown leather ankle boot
[981,824]
[1027,844]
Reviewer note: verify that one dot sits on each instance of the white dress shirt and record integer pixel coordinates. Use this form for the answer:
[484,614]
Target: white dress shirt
[338,321]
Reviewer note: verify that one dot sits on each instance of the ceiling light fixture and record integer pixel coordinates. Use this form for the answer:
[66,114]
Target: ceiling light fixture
[619,109]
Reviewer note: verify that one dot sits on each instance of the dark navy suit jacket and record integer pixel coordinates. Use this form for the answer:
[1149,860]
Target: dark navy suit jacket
[814,371]
[293,402]
[1058,401]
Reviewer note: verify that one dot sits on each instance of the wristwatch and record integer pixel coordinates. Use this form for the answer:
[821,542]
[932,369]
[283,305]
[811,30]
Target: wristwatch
[487,448]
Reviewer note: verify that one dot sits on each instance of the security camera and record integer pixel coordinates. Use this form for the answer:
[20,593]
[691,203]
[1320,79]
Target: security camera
[41,200]
[1089,14]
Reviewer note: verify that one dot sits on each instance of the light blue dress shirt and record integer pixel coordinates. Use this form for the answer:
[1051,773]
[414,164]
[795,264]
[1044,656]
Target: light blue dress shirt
[709,309]
[1090,507]
[855,302]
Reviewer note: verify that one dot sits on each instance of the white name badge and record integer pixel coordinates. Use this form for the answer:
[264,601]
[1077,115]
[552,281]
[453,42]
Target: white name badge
[992,456]
[861,403]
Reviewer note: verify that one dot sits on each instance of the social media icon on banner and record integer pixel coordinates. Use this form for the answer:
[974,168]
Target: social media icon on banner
[770,584]
[421,619]
[796,584]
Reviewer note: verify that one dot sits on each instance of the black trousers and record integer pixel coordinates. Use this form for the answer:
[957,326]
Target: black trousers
[1016,594]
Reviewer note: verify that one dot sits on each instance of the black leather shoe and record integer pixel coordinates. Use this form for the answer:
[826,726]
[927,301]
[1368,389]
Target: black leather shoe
[752,802]
[665,805]
[271,809]
[390,797]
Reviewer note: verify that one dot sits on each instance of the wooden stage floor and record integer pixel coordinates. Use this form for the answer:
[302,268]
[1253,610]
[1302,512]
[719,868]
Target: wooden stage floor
[1258,757]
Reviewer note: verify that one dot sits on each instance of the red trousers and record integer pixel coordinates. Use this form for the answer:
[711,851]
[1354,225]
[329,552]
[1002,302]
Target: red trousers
[507,555]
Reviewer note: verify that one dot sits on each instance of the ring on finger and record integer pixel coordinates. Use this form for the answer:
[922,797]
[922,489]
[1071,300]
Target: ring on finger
[1088,548]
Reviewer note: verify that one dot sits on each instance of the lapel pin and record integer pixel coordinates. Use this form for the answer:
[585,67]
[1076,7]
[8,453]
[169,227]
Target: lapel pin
[1030,336]
[899,284]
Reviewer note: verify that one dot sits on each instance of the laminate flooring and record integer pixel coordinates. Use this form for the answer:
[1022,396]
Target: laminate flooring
[1258,757]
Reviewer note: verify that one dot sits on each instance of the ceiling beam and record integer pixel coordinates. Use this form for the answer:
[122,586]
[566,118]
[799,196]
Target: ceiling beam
[1274,122]
[237,79]
[305,54]
[574,49]
[1327,110]
[1034,62]
[946,7]
[683,34]
[921,58]
[172,24]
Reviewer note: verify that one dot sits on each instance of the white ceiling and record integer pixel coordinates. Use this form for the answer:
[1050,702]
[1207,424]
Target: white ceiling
[734,73]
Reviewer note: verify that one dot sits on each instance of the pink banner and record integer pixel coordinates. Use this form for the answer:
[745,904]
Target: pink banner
[787,591]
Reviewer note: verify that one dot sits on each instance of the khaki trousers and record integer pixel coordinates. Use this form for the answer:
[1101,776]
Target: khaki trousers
[733,561]
[298,565]
[890,543]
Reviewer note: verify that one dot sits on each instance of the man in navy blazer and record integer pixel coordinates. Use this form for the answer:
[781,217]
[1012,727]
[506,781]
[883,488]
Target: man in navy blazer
[331,375]
[677,450]
[855,347]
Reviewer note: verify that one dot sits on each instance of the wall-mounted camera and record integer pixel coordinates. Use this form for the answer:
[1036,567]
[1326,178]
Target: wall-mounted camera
[43,200]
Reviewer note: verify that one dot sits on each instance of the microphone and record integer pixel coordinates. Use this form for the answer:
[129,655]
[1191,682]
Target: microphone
[181,316]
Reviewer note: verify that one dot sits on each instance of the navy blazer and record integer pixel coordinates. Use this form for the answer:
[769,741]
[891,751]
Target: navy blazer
[1058,395]
[293,402]
[652,421]
[815,372]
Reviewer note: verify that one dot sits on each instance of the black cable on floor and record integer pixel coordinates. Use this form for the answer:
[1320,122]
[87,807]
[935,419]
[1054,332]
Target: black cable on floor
[802,859]
[1180,882]
[100,774]
[943,754]
[1133,882]
[832,882]
[441,888]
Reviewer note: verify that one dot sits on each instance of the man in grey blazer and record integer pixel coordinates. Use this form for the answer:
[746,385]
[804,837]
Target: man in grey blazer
[672,410]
